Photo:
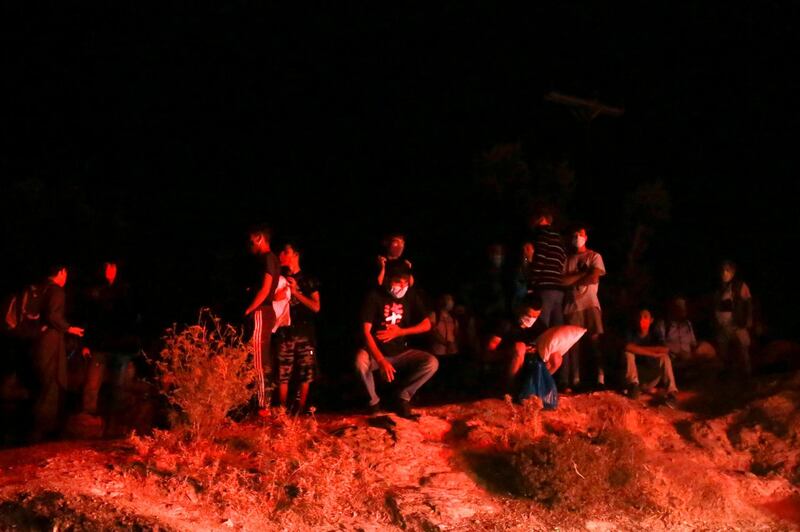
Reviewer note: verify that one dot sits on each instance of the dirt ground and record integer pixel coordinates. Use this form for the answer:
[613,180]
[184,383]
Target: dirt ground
[727,458]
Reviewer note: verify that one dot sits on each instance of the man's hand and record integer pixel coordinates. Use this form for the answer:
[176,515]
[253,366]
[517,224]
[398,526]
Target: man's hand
[382,261]
[389,333]
[75,331]
[387,370]
[292,282]
[86,352]
[248,312]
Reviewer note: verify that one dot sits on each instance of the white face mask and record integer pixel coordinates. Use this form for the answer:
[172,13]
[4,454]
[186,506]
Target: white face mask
[398,291]
[579,241]
[526,322]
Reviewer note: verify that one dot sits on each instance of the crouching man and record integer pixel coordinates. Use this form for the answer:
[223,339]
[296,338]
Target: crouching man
[389,315]
[508,349]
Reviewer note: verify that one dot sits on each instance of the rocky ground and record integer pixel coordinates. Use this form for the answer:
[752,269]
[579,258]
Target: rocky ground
[727,458]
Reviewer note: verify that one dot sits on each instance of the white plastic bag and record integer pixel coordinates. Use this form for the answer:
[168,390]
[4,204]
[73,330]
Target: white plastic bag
[558,339]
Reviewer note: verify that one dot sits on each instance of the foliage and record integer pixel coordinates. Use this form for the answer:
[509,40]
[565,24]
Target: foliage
[205,371]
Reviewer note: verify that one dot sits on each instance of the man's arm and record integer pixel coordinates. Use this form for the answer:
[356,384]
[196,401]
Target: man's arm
[55,315]
[311,302]
[583,278]
[648,351]
[261,295]
[393,331]
[372,348]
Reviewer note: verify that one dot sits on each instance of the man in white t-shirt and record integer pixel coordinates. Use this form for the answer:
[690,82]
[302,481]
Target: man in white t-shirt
[583,270]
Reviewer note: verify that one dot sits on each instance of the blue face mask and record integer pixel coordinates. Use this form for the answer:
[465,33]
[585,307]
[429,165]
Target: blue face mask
[398,291]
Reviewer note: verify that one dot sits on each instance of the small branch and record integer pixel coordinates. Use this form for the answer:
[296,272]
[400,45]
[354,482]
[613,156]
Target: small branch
[576,470]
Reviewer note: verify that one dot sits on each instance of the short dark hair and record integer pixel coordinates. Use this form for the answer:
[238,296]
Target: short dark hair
[54,268]
[727,263]
[261,229]
[532,302]
[545,210]
[399,271]
[292,243]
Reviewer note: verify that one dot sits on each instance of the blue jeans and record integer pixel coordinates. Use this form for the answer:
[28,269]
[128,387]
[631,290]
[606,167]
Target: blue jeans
[419,366]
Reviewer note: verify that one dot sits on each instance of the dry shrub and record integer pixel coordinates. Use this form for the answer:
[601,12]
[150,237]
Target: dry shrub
[204,372]
[287,471]
[571,473]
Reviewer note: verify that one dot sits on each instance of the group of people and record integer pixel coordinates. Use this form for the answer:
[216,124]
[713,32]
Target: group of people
[39,326]
[497,319]
[499,323]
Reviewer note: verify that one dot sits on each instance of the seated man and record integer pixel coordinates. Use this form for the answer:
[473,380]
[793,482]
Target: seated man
[390,313]
[646,342]
[510,347]
[678,332]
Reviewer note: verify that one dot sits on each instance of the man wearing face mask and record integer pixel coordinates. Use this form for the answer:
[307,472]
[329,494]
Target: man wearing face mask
[582,308]
[510,347]
[390,314]
[734,318]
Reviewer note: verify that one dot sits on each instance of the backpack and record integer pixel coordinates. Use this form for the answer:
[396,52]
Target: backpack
[22,312]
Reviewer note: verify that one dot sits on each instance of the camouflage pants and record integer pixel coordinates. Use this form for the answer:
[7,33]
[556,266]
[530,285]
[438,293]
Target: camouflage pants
[295,355]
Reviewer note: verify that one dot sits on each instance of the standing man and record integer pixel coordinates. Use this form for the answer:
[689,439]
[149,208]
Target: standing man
[297,342]
[390,314]
[582,308]
[50,354]
[734,319]
[395,244]
[260,307]
[548,267]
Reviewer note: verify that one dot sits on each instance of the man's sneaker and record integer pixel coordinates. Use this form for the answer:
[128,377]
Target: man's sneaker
[403,409]
[633,391]
[374,409]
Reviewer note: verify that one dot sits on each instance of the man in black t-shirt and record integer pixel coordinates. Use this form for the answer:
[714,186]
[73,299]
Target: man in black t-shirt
[263,290]
[646,342]
[389,315]
[297,341]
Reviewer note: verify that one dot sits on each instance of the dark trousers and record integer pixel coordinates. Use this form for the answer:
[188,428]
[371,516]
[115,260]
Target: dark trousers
[264,321]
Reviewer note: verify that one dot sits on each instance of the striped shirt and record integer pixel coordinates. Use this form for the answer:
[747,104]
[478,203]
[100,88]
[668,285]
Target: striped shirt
[549,258]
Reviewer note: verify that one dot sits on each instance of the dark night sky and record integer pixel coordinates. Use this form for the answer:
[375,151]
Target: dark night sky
[159,132]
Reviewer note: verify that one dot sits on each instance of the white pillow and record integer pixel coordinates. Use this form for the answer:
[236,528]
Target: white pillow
[558,339]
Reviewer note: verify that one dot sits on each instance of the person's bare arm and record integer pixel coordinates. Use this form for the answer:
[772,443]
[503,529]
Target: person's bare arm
[583,278]
[651,351]
[311,301]
[261,295]
[385,366]
[393,331]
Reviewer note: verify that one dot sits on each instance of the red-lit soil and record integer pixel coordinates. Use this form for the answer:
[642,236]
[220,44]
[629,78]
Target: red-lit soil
[728,458]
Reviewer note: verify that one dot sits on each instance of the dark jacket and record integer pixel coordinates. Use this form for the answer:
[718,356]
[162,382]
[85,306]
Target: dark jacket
[49,350]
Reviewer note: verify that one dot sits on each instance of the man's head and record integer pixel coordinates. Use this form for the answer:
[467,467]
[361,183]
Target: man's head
[677,308]
[645,320]
[727,271]
[290,256]
[528,312]
[260,236]
[542,216]
[110,272]
[395,243]
[579,237]
[445,302]
[398,280]
[58,274]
